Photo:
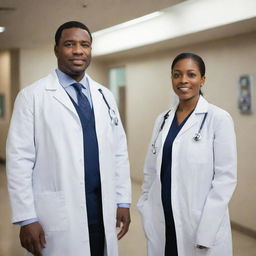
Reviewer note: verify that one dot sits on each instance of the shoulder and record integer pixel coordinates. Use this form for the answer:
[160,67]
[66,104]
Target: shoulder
[219,116]
[28,94]
[164,115]
[217,112]
[38,85]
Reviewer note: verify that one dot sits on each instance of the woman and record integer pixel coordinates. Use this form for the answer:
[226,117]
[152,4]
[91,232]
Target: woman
[190,171]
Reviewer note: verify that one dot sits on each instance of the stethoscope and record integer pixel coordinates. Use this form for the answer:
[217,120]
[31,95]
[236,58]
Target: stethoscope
[111,111]
[159,131]
[196,137]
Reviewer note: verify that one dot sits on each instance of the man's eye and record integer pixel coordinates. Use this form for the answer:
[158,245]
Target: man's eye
[68,44]
[86,45]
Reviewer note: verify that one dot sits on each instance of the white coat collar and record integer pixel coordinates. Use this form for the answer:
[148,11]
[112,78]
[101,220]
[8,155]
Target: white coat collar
[201,108]
[97,101]
[61,95]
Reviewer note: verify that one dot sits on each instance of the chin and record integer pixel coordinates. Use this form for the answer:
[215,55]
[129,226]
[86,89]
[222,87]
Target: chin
[77,71]
[188,97]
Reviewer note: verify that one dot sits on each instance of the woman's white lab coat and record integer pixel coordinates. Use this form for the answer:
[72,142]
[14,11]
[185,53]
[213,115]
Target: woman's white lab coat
[203,180]
[45,164]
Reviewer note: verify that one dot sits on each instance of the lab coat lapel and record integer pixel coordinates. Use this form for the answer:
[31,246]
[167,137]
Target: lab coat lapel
[97,102]
[196,116]
[167,124]
[59,92]
[163,135]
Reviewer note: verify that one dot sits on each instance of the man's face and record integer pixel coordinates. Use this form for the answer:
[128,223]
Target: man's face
[73,52]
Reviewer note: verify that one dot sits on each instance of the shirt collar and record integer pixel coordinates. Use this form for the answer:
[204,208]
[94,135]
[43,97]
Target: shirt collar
[66,81]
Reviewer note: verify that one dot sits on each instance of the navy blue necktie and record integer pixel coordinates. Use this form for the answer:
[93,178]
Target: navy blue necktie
[82,100]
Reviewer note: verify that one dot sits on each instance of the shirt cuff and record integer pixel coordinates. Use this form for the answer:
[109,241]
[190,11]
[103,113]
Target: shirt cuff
[124,205]
[26,222]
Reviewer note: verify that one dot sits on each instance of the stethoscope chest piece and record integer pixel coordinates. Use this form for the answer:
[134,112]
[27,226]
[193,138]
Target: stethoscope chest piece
[153,149]
[114,120]
[197,137]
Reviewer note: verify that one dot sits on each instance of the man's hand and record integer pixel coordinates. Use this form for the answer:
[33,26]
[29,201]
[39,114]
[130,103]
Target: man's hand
[123,221]
[32,238]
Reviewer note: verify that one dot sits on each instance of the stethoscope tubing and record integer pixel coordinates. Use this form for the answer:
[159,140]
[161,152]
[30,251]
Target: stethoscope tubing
[196,138]
[111,112]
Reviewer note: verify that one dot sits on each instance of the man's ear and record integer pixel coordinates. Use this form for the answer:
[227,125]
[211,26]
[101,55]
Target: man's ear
[55,50]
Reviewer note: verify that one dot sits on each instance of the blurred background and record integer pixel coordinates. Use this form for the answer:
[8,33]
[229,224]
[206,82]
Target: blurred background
[134,43]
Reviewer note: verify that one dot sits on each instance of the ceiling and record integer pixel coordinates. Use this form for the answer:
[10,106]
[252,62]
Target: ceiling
[32,23]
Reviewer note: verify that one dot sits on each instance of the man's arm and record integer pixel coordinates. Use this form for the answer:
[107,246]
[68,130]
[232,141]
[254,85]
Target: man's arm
[123,181]
[20,153]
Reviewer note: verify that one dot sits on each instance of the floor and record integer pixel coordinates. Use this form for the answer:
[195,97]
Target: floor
[133,244]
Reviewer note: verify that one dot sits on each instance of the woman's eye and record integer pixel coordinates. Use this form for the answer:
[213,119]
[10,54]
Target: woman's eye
[191,75]
[176,75]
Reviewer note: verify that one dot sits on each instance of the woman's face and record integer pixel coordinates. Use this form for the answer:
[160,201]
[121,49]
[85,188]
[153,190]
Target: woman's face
[187,79]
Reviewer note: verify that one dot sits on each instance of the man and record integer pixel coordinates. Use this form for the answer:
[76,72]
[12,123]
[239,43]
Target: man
[67,161]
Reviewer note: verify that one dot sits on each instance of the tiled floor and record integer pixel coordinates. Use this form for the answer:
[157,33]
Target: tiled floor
[133,244]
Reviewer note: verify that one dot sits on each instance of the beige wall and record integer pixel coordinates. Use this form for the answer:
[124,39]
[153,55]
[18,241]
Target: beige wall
[36,63]
[5,90]
[148,93]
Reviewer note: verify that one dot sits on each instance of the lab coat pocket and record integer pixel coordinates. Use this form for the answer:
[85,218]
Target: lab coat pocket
[195,219]
[223,231]
[51,211]
[146,218]
[202,252]
[200,152]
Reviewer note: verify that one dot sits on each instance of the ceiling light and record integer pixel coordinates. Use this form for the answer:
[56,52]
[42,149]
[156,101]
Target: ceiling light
[185,18]
[127,24]
[2,29]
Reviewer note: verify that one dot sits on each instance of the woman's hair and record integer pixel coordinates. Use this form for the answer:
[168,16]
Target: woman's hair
[194,57]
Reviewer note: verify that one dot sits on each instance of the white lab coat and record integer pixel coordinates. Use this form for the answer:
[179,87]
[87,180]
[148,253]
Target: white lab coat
[203,180]
[45,166]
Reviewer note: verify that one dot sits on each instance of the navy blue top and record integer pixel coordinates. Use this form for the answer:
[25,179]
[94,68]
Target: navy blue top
[167,165]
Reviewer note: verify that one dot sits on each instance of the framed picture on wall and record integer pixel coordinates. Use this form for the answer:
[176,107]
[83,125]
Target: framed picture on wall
[2,107]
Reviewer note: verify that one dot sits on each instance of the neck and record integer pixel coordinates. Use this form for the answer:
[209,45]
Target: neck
[187,105]
[78,76]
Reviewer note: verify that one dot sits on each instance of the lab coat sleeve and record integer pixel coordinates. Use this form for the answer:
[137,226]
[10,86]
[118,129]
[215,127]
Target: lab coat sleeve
[149,169]
[223,183]
[20,156]
[122,172]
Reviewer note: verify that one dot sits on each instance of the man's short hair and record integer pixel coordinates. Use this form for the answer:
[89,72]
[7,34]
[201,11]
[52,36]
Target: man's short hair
[70,24]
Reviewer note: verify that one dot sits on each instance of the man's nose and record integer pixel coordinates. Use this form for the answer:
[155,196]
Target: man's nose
[77,49]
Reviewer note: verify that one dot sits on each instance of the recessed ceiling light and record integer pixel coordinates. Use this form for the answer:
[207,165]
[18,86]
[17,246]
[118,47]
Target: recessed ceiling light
[2,29]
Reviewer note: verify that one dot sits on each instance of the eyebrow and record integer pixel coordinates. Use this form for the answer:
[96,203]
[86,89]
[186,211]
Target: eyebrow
[83,41]
[187,70]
